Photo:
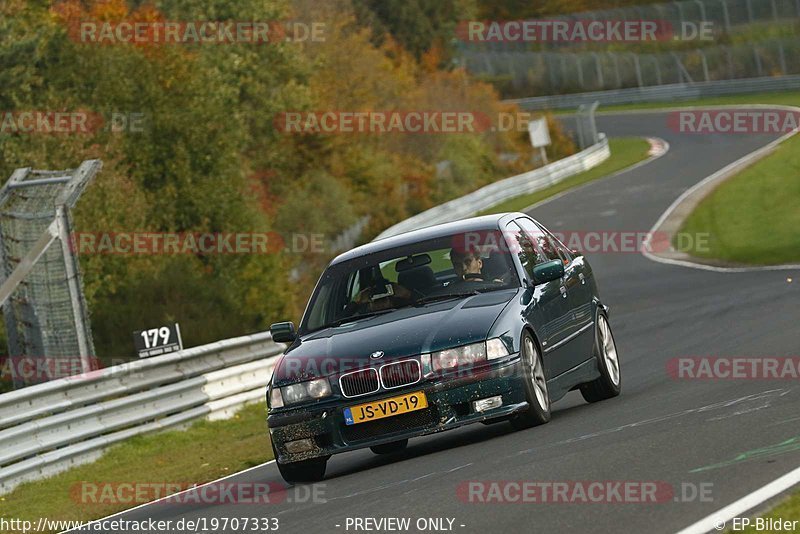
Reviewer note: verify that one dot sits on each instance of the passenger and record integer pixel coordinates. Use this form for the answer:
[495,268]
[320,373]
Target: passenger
[382,295]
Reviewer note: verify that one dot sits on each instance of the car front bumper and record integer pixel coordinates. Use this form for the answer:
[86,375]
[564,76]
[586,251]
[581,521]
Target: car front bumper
[449,406]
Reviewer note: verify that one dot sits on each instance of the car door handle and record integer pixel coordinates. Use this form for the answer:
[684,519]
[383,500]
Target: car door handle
[563,290]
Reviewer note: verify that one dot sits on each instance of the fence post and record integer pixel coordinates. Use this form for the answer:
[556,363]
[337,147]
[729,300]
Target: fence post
[580,126]
[74,286]
[726,15]
[782,58]
[757,57]
[638,68]
[599,69]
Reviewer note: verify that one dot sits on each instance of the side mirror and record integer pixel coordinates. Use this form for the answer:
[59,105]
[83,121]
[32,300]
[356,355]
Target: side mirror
[548,271]
[283,332]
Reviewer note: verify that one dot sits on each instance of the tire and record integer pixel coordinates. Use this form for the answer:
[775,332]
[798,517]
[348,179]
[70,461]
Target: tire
[389,448]
[609,384]
[312,470]
[536,394]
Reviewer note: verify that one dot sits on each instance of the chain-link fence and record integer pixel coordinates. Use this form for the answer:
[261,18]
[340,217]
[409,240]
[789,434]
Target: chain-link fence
[721,16]
[43,304]
[556,73]
[525,68]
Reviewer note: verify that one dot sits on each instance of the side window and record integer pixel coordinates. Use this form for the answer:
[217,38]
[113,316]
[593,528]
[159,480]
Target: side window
[563,251]
[521,244]
[548,250]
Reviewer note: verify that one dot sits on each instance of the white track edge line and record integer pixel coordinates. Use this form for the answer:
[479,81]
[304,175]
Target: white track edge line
[748,502]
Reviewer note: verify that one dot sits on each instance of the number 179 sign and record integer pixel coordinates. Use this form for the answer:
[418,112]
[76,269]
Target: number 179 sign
[157,341]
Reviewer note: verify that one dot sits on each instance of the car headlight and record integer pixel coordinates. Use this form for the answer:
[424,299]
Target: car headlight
[302,391]
[465,355]
[318,389]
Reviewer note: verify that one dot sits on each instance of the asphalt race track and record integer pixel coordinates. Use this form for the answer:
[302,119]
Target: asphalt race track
[659,429]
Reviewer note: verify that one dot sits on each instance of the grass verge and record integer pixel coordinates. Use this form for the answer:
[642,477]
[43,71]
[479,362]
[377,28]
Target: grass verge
[789,510]
[625,151]
[752,218]
[206,451]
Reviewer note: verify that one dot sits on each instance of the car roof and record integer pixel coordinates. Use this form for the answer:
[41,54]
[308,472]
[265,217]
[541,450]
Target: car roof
[485,222]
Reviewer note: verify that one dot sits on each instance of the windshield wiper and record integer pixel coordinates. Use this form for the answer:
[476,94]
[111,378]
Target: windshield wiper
[448,296]
[353,318]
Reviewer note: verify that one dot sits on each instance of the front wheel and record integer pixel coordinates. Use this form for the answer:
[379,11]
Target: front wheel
[536,393]
[609,383]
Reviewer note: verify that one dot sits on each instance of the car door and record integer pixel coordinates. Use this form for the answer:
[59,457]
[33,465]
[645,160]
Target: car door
[572,350]
[547,308]
[580,297]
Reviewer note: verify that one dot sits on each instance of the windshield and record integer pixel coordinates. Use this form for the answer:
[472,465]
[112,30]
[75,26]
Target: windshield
[450,267]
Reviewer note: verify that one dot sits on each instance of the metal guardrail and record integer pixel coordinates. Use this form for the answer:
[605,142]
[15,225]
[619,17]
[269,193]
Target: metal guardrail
[661,93]
[497,192]
[48,428]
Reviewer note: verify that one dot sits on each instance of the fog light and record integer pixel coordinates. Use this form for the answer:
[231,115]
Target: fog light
[298,446]
[487,403]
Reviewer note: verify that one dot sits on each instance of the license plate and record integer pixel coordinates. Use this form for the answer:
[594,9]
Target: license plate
[371,411]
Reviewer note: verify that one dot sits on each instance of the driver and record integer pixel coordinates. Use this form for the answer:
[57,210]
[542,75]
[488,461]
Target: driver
[467,264]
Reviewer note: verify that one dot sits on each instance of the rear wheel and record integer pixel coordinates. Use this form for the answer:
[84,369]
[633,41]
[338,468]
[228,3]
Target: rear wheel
[609,383]
[312,470]
[389,448]
[536,393]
